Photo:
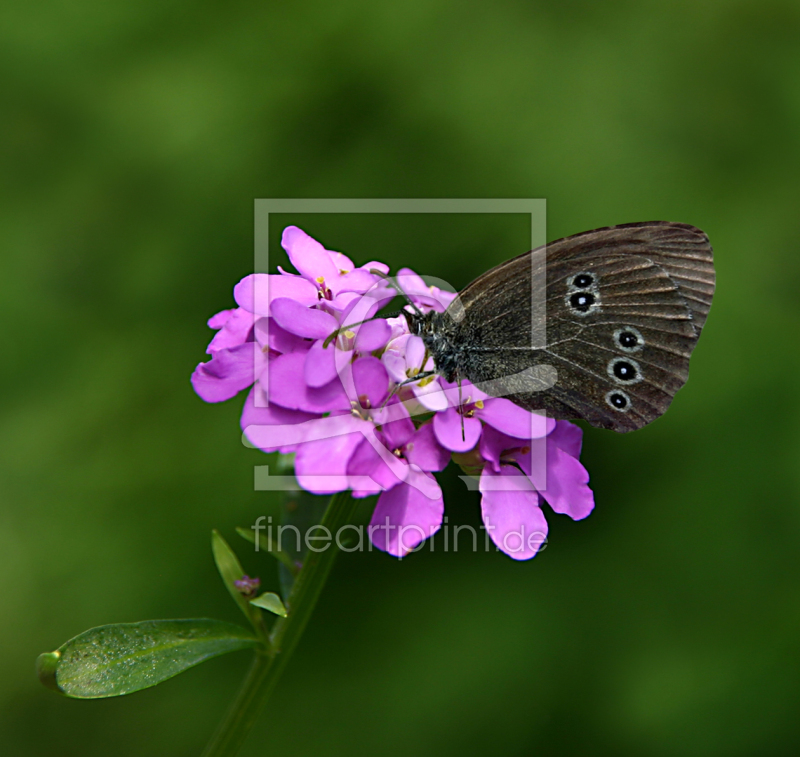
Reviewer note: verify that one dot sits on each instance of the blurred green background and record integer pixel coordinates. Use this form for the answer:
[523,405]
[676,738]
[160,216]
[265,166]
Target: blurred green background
[135,139]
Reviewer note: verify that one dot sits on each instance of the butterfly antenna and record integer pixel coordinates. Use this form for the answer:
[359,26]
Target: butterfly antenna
[394,285]
[463,434]
[399,386]
[394,391]
[347,326]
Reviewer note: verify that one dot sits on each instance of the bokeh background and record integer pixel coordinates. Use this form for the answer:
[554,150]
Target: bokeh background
[135,139]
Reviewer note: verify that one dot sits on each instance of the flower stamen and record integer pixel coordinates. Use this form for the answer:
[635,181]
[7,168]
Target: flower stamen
[358,411]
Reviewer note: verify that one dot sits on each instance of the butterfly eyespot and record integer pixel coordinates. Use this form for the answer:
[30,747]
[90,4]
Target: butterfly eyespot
[624,370]
[618,400]
[582,301]
[583,280]
[629,339]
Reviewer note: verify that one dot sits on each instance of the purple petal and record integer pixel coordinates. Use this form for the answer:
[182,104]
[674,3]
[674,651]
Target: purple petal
[319,368]
[263,425]
[310,323]
[513,420]
[308,256]
[358,280]
[494,443]
[399,326]
[228,372]
[371,381]
[414,286]
[431,395]
[443,297]
[256,291]
[364,460]
[285,435]
[380,288]
[362,487]
[375,458]
[346,301]
[448,429]
[355,308]
[269,334]
[511,512]
[379,464]
[394,357]
[409,281]
[469,393]
[565,485]
[568,436]
[380,293]
[425,452]
[377,266]
[234,330]
[288,389]
[373,335]
[321,465]
[415,352]
[404,517]
[395,365]
[398,432]
[341,261]
[392,411]
[218,320]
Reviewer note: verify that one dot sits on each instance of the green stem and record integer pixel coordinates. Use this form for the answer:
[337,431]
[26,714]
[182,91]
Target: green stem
[269,664]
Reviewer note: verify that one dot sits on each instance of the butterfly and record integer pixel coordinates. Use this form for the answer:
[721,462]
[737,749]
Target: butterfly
[613,314]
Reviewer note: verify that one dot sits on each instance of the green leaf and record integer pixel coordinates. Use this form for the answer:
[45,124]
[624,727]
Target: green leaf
[231,570]
[112,660]
[266,544]
[270,601]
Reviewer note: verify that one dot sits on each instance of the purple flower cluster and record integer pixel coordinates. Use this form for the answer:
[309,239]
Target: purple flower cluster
[338,391]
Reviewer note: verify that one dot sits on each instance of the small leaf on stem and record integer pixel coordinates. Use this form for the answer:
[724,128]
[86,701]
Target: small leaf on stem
[231,571]
[270,601]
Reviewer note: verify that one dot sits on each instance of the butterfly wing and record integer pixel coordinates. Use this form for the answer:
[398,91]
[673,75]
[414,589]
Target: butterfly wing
[623,309]
[683,251]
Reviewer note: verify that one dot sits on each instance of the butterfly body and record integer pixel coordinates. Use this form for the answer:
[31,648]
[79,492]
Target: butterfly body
[615,311]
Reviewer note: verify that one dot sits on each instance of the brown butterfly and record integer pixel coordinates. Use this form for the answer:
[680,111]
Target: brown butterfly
[616,312]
